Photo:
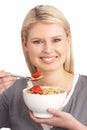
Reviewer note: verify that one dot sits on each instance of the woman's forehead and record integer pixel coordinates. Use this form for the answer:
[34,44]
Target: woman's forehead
[46,29]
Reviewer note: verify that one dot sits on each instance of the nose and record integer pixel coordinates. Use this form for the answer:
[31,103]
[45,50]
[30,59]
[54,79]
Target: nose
[48,48]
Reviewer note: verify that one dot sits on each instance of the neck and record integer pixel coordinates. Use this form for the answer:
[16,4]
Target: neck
[61,79]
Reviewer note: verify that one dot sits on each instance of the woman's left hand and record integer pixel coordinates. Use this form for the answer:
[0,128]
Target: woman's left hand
[60,119]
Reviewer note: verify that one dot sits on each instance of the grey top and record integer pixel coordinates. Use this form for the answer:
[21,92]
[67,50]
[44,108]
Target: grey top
[14,113]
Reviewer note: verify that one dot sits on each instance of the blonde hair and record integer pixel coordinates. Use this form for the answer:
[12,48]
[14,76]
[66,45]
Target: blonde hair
[46,14]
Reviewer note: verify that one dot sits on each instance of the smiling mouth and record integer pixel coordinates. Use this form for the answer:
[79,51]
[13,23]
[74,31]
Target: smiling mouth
[49,60]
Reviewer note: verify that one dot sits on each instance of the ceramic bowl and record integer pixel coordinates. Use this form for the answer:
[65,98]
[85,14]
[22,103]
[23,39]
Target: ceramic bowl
[39,104]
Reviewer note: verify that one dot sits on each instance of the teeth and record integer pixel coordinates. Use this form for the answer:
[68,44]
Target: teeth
[48,59]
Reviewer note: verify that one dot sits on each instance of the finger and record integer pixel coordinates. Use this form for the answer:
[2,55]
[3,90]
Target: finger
[4,74]
[6,84]
[55,112]
[7,79]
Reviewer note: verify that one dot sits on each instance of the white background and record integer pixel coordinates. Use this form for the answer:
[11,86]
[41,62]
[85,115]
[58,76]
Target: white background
[12,13]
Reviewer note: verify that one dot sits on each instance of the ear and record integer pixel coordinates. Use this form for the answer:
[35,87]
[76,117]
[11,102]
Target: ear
[24,43]
[69,40]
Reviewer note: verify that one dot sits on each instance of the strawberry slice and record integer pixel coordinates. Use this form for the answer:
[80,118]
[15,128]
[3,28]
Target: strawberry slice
[36,89]
[37,74]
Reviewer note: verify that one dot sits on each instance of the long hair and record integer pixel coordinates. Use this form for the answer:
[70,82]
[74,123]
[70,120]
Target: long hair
[46,14]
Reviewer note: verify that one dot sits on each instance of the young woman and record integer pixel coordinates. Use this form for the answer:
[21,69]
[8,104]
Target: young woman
[47,46]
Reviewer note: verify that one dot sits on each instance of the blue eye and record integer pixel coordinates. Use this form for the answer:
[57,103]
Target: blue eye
[37,42]
[56,40]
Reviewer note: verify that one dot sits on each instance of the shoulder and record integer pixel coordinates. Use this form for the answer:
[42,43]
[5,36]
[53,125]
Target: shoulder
[82,83]
[83,79]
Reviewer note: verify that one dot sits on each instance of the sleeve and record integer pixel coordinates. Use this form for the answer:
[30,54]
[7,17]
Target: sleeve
[4,111]
[9,102]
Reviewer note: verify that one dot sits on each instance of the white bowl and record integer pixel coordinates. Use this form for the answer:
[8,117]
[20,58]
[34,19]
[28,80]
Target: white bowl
[39,104]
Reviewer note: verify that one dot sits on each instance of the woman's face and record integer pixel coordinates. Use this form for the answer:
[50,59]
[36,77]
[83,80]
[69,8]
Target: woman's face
[47,46]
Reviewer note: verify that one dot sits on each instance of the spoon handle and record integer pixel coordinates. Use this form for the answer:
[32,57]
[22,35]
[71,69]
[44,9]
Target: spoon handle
[21,76]
[27,77]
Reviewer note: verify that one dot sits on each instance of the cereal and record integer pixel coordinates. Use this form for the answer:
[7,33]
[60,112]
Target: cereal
[44,90]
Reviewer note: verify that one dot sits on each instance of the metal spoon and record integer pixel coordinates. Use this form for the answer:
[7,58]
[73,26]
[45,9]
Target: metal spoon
[28,78]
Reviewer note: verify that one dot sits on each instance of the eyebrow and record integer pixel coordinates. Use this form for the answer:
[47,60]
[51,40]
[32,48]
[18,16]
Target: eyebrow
[60,36]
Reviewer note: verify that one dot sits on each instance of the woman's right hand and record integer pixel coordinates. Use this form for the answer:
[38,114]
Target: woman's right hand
[6,80]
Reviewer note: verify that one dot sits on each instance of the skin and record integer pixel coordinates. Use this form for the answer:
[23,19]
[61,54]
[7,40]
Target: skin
[6,80]
[60,119]
[47,50]
[47,46]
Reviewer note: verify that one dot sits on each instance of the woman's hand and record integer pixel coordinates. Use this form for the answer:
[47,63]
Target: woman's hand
[60,119]
[6,80]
